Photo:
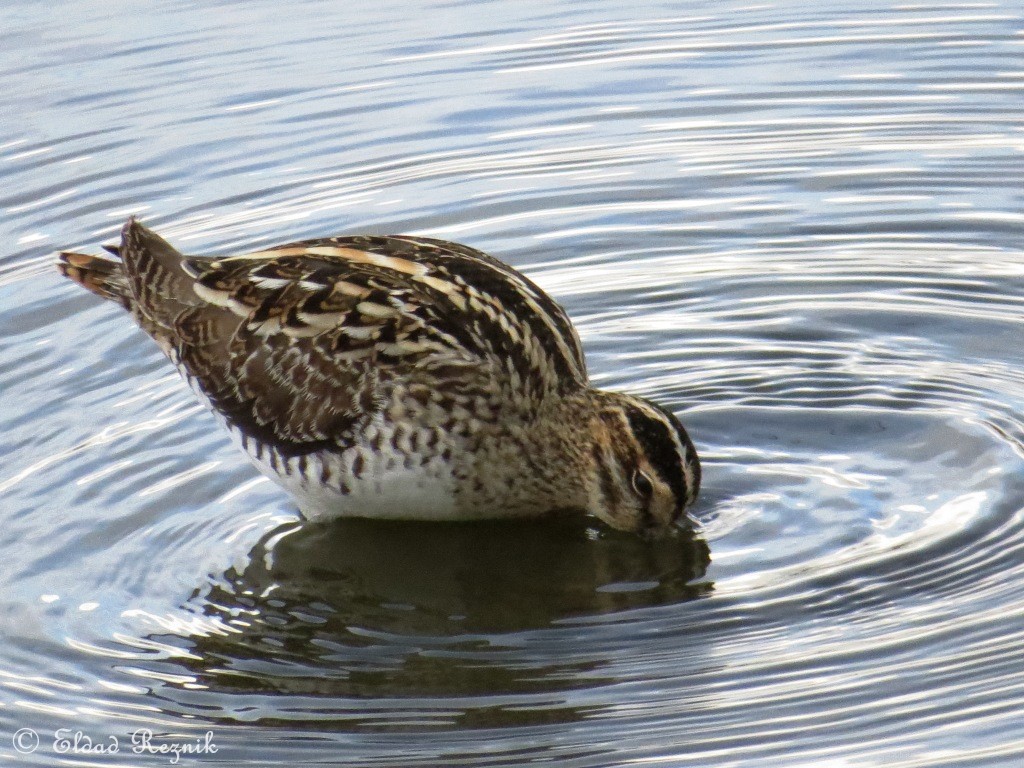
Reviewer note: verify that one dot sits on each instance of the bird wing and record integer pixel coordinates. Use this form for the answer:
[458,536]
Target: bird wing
[292,344]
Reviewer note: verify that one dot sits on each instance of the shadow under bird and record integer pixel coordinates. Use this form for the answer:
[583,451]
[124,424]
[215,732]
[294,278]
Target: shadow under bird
[400,377]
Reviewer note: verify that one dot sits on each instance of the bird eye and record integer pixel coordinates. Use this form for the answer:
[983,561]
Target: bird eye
[642,484]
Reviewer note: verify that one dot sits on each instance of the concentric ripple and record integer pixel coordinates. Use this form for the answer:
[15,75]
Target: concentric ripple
[798,225]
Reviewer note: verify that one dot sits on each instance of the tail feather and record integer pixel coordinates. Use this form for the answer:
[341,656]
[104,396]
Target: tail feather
[146,278]
[104,277]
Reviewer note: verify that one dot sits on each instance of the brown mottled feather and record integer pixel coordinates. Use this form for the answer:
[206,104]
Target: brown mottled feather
[296,345]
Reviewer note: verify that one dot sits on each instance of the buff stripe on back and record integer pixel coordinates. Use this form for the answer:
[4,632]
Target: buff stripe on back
[471,280]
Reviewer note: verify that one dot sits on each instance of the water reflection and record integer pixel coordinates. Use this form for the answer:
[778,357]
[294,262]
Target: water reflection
[360,607]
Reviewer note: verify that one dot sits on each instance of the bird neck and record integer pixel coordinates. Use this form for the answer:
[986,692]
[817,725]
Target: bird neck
[532,465]
[558,447]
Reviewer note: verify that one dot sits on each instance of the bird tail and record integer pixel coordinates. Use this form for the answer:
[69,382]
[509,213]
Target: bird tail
[146,278]
[102,276]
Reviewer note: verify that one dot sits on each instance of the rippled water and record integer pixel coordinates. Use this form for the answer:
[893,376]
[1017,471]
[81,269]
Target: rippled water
[799,225]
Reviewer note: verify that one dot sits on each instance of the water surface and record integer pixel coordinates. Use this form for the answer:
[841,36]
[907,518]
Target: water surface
[797,225]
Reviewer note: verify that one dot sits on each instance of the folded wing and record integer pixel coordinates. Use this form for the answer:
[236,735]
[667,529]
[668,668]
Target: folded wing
[297,344]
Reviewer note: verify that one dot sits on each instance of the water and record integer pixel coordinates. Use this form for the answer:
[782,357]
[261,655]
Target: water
[799,225]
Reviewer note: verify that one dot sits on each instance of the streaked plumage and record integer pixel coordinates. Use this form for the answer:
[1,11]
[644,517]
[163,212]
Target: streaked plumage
[400,377]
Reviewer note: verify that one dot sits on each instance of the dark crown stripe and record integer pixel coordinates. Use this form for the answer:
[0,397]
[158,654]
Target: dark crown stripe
[655,435]
[690,452]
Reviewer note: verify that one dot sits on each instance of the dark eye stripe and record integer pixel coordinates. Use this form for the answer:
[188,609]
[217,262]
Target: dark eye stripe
[645,491]
[659,445]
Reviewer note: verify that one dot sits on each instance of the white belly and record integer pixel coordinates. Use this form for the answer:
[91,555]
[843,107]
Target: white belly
[325,485]
[396,493]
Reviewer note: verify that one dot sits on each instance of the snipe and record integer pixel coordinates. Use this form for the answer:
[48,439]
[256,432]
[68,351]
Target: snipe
[400,377]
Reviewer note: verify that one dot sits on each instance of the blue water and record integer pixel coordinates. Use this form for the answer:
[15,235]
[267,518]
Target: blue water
[801,226]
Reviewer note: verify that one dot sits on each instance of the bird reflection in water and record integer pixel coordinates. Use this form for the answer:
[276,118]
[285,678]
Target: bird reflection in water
[371,608]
